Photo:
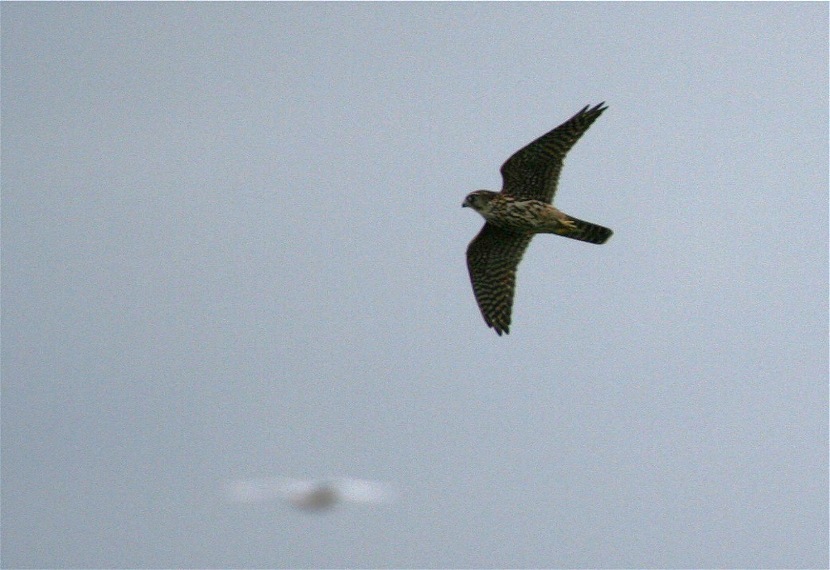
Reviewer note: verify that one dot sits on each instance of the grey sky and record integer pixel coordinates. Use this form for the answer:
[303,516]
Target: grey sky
[233,247]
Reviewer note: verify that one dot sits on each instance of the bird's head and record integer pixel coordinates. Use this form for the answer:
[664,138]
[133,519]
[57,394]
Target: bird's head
[478,200]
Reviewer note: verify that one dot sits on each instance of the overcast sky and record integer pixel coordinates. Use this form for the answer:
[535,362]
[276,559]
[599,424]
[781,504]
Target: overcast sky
[233,247]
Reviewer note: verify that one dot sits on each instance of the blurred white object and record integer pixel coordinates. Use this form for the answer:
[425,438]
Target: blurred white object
[309,495]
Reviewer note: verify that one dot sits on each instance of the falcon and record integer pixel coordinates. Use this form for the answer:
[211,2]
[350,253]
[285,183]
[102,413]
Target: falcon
[309,495]
[522,209]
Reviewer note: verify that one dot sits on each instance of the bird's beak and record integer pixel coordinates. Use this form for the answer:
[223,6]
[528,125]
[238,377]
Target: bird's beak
[464,205]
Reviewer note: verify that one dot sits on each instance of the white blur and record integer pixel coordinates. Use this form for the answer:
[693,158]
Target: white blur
[309,495]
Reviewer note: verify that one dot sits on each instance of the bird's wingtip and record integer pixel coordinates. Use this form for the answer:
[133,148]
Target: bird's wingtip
[500,329]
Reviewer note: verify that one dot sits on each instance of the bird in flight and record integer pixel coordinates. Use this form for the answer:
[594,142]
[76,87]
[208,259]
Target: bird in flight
[309,495]
[522,209]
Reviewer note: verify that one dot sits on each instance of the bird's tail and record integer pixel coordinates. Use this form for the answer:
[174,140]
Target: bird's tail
[586,231]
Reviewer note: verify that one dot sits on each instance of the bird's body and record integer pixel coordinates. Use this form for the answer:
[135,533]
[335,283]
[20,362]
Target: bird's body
[534,217]
[522,209]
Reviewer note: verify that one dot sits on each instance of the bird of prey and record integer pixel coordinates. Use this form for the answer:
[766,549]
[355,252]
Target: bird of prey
[309,495]
[522,209]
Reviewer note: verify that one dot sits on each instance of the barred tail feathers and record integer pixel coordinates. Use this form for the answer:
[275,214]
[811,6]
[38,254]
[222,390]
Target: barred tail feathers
[586,231]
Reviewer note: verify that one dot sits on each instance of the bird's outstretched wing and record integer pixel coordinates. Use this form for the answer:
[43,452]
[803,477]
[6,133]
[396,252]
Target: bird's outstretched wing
[533,171]
[492,259]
